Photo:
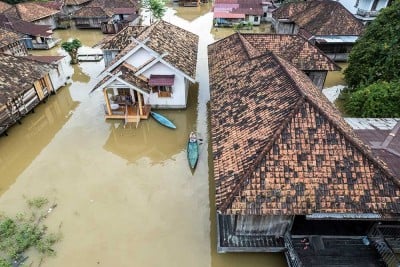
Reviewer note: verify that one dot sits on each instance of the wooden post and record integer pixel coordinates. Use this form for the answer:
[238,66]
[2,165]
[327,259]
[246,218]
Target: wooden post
[107,101]
[140,103]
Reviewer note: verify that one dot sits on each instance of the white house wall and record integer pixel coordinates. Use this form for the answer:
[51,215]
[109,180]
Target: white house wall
[60,76]
[139,58]
[51,21]
[179,89]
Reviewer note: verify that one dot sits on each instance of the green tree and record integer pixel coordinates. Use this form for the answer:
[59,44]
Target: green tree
[72,49]
[376,54]
[157,8]
[380,99]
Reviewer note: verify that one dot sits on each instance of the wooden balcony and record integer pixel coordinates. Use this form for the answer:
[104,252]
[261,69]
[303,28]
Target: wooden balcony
[128,112]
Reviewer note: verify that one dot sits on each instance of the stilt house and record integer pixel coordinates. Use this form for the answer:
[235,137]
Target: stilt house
[290,174]
[153,70]
[24,83]
[11,43]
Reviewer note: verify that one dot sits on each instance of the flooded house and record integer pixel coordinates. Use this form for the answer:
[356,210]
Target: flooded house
[61,71]
[229,13]
[365,10]
[34,12]
[290,174]
[110,16]
[24,84]
[327,24]
[153,69]
[297,50]
[70,6]
[34,36]
[11,43]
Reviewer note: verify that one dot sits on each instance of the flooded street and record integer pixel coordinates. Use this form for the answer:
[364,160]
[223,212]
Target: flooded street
[126,196]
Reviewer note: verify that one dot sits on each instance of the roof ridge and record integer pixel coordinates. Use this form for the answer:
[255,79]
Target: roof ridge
[268,146]
[251,51]
[364,149]
[353,139]
[229,199]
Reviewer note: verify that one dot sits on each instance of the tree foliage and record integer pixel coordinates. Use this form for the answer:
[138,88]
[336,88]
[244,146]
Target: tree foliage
[380,99]
[26,231]
[156,7]
[72,49]
[376,54]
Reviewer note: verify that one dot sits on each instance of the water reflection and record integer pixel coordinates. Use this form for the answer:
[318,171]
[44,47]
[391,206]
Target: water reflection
[335,78]
[191,13]
[25,141]
[152,140]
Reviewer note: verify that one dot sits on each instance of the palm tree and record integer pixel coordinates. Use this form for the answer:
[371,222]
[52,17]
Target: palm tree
[72,49]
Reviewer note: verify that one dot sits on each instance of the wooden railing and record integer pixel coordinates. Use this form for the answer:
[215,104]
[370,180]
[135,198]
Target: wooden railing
[386,240]
[291,255]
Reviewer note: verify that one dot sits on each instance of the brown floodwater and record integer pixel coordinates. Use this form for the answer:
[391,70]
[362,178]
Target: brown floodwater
[126,196]
[335,78]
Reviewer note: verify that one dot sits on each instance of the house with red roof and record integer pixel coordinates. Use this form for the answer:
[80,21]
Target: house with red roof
[291,175]
[34,36]
[231,12]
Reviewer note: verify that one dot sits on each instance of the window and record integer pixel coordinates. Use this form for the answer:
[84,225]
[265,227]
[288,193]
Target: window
[256,19]
[162,84]
[162,90]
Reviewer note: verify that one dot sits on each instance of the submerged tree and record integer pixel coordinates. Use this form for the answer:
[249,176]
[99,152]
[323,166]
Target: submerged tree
[26,231]
[156,7]
[72,49]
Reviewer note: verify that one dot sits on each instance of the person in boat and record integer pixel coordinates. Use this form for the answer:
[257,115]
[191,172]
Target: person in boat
[192,137]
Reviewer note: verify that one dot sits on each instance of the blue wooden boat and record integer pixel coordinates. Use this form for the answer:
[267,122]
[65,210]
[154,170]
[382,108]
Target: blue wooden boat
[162,120]
[193,150]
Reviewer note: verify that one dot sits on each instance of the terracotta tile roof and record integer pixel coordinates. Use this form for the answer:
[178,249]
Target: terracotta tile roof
[24,27]
[31,11]
[121,40]
[4,6]
[293,48]
[56,5]
[179,45]
[280,147]
[321,17]
[18,74]
[8,37]
[127,73]
[91,12]
[75,2]
[45,59]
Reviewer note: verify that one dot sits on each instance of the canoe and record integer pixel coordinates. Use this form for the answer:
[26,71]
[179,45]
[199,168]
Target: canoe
[162,120]
[192,150]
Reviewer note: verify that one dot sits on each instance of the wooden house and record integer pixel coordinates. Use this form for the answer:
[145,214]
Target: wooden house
[365,10]
[70,6]
[153,70]
[229,13]
[290,174]
[61,71]
[24,84]
[329,25]
[111,16]
[34,36]
[11,43]
[298,51]
[35,13]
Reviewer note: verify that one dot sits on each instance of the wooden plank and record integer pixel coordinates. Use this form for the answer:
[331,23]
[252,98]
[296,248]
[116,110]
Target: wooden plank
[107,101]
